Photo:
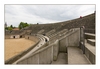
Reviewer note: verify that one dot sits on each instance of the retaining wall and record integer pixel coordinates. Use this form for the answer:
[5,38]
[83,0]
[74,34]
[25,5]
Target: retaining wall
[90,55]
[43,56]
[62,45]
[71,39]
[33,38]
[16,57]
[7,36]
[74,38]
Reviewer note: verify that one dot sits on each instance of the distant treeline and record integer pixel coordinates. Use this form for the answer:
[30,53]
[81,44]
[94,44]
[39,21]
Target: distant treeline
[20,26]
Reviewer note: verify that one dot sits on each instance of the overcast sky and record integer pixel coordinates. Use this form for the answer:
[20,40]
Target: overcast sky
[14,14]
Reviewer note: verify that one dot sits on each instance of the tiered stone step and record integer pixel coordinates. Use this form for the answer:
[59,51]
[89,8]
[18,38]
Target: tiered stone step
[75,56]
[91,41]
[89,36]
[90,47]
[90,52]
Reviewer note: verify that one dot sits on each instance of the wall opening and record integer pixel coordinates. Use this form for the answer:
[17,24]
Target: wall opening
[13,36]
[20,36]
[28,37]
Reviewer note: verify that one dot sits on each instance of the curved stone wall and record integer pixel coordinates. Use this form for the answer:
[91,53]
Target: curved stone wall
[13,59]
[33,38]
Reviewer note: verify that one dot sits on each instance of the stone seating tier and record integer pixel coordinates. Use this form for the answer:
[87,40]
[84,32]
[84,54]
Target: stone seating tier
[87,21]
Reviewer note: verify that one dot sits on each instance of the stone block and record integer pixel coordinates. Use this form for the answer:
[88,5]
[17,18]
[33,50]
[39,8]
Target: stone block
[49,55]
[22,61]
[90,55]
[73,39]
[89,36]
[29,60]
[35,59]
[55,50]
[43,57]
[62,45]
[91,41]
[92,58]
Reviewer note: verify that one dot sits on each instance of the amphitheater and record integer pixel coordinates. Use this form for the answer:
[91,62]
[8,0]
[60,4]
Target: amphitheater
[68,42]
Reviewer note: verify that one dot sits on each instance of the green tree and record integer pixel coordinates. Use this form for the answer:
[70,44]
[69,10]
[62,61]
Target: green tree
[11,26]
[23,25]
[6,28]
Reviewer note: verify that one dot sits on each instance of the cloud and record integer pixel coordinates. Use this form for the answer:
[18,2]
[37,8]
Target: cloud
[14,14]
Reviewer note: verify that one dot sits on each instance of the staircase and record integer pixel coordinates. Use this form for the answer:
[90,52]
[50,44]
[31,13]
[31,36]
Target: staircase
[75,55]
[90,48]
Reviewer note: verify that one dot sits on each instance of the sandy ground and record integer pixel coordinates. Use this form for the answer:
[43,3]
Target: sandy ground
[16,46]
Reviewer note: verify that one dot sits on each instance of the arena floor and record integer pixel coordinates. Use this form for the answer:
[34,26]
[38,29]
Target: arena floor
[16,46]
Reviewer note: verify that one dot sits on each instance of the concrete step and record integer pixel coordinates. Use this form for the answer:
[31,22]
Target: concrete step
[62,59]
[75,56]
[90,52]
[91,41]
[89,36]
[90,47]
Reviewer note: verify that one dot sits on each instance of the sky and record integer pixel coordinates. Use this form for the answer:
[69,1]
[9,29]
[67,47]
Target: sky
[32,14]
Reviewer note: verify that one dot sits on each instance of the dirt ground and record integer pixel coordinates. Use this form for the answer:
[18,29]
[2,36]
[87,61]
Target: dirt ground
[16,46]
